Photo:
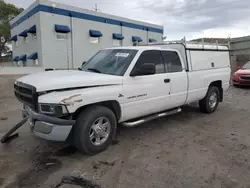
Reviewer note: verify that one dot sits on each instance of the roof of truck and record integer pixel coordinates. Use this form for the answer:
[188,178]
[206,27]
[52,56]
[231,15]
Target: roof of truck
[189,45]
[158,46]
[206,46]
[137,47]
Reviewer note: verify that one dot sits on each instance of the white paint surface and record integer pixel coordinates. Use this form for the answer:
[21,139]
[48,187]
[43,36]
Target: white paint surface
[139,95]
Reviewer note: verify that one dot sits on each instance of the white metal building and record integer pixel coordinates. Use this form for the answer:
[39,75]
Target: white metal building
[53,35]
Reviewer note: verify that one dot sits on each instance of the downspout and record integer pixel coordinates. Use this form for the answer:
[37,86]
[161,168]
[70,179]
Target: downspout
[72,42]
[39,38]
[122,34]
[67,48]
[147,37]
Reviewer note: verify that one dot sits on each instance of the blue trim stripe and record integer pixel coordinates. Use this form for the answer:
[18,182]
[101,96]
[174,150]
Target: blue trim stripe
[63,12]
[25,17]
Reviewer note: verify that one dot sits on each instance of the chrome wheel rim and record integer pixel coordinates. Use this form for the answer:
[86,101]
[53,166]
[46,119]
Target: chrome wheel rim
[213,100]
[99,131]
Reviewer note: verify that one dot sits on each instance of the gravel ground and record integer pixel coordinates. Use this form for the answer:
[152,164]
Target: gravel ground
[189,149]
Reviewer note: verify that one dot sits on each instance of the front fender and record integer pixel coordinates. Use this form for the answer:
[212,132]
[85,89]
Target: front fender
[75,99]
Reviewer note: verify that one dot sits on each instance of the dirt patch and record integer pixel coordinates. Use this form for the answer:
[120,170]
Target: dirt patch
[77,181]
[1,181]
[99,164]
[36,175]
[3,118]
[115,142]
[66,151]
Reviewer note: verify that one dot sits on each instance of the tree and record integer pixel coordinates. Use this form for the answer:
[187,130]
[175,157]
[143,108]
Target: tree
[7,13]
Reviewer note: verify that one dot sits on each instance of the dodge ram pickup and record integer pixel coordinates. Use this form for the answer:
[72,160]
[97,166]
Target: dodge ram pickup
[123,85]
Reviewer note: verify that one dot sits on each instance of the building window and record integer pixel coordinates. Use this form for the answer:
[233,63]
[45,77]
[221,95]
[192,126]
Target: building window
[117,42]
[61,36]
[94,40]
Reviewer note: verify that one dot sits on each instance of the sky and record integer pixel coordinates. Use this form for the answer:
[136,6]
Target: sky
[189,18]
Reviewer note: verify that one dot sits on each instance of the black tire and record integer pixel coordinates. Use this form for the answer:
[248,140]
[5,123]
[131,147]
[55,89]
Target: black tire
[204,103]
[83,125]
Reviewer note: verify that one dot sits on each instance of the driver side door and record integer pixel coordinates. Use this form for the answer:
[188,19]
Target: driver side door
[146,94]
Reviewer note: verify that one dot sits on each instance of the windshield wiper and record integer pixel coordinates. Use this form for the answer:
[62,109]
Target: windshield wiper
[94,70]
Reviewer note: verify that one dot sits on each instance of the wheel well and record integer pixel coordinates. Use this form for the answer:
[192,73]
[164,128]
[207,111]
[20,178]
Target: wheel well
[112,105]
[218,84]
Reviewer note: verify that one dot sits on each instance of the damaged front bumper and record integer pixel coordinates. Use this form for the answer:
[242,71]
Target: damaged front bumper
[47,127]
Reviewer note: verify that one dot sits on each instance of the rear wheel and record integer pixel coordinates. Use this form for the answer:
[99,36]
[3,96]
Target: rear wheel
[211,100]
[94,129]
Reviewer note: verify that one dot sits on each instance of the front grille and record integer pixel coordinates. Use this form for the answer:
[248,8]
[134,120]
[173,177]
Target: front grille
[26,94]
[247,78]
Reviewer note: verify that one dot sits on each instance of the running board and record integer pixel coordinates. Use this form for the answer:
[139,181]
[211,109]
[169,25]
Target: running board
[149,118]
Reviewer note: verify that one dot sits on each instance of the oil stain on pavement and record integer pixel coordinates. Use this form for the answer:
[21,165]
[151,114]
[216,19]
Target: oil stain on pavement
[38,174]
[1,181]
[71,180]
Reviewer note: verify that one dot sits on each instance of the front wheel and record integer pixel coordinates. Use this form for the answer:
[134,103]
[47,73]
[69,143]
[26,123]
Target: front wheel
[210,102]
[94,129]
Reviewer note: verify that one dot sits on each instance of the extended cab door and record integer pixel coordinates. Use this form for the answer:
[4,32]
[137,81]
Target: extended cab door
[178,77]
[146,94]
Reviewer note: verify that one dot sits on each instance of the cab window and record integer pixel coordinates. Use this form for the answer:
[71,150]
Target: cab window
[172,61]
[151,56]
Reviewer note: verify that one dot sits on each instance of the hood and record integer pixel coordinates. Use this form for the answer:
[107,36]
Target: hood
[241,71]
[54,80]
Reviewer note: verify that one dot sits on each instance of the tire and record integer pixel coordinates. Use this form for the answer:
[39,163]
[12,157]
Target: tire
[207,104]
[87,129]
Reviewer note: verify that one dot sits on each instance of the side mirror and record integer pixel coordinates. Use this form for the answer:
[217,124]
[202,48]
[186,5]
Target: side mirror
[82,65]
[145,69]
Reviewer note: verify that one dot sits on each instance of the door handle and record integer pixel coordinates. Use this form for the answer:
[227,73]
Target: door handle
[167,80]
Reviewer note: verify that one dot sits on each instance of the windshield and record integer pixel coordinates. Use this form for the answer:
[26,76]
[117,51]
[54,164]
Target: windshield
[246,66]
[111,61]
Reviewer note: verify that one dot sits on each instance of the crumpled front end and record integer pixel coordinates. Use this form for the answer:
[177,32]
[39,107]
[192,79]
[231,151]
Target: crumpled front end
[46,126]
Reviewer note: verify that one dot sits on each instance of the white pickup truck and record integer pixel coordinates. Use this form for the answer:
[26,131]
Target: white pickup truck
[125,85]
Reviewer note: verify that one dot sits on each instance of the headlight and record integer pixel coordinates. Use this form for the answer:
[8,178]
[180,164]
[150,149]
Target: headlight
[53,109]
